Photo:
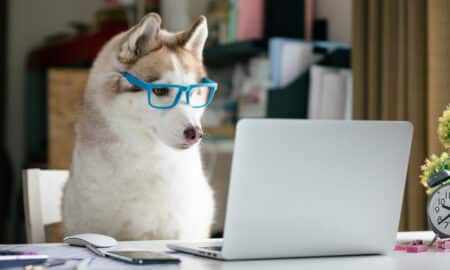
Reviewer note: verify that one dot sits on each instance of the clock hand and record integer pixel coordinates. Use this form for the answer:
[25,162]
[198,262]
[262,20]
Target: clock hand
[446,207]
[442,220]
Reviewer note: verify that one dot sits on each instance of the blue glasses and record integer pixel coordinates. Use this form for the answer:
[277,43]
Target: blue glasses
[167,96]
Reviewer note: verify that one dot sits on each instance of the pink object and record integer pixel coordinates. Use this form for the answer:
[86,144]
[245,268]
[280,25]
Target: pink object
[250,20]
[416,248]
[443,244]
[446,245]
[400,247]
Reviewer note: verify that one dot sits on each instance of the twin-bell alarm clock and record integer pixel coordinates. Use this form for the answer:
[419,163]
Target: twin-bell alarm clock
[438,211]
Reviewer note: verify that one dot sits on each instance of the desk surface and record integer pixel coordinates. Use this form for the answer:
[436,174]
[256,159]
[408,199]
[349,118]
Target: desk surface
[394,260]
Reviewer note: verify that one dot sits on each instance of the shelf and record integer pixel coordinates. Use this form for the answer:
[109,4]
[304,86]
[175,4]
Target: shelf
[85,48]
[225,131]
[231,53]
[222,146]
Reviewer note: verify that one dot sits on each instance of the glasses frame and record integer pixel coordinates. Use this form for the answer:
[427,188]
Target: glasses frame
[182,89]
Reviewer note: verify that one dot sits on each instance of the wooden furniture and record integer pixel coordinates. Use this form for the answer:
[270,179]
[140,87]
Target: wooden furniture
[42,193]
[65,96]
[395,260]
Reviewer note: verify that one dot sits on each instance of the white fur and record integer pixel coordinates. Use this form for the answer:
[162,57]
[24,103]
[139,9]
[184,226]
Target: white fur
[128,179]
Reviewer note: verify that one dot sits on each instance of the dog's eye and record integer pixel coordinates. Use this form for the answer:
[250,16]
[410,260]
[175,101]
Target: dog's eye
[161,92]
[135,89]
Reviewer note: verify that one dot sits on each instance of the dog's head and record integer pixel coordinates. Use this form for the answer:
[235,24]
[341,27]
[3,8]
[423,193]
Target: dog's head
[154,55]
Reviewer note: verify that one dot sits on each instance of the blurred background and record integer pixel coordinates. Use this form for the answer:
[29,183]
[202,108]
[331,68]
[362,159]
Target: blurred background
[316,59]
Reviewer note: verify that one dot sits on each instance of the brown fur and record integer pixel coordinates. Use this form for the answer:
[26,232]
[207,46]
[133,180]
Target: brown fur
[147,63]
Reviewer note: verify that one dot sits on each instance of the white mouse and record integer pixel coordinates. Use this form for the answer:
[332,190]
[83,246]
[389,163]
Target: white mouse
[93,239]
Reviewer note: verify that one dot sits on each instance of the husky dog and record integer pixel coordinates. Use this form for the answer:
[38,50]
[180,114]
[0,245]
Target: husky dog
[136,171]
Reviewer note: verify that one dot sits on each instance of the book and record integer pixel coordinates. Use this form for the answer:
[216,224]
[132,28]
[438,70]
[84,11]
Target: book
[330,93]
[232,19]
[309,19]
[250,19]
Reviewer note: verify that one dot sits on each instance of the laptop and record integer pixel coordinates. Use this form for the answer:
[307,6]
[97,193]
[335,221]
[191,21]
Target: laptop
[302,188]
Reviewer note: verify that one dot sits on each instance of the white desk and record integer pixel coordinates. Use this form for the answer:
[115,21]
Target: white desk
[395,260]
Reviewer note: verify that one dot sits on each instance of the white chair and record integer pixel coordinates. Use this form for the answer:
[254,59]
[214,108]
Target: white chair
[42,193]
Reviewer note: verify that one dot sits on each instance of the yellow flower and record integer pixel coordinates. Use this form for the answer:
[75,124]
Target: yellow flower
[433,165]
[444,128]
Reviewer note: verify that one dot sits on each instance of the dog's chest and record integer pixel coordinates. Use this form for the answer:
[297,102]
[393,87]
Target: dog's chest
[163,197]
[139,179]
[155,192]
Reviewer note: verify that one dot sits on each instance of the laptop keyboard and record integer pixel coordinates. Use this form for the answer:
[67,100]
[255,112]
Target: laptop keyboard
[215,248]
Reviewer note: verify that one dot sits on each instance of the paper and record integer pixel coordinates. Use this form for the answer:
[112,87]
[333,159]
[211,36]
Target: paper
[75,255]
[296,58]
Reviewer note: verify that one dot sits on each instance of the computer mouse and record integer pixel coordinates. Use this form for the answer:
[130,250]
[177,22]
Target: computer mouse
[93,239]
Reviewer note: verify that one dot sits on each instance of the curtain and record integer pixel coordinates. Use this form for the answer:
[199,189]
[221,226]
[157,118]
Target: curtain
[401,71]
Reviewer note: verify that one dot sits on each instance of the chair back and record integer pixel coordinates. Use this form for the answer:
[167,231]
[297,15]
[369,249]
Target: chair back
[42,190]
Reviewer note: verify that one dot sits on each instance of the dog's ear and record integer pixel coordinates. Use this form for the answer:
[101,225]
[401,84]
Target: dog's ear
[141,39]
[195,38]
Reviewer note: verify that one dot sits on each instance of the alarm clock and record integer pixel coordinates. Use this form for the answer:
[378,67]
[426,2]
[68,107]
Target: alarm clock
[438,210]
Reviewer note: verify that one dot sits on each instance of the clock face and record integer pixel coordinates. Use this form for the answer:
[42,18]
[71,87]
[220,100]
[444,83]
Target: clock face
[438,211]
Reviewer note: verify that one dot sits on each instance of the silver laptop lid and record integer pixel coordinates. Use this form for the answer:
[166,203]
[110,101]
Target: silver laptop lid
[309,188]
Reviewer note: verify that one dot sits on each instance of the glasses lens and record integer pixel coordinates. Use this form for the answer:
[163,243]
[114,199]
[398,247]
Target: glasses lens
[199,96]
[163,96]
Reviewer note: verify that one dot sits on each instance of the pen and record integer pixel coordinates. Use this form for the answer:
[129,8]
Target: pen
[83,265]
[95,250]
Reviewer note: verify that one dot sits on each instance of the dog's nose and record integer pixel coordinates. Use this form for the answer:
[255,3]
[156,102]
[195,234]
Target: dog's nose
[193,134]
